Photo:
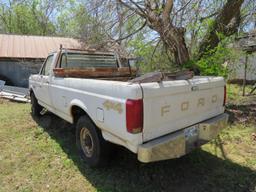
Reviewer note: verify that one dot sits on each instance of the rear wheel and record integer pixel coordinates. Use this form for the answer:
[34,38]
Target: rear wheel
[91,145]
[35,107]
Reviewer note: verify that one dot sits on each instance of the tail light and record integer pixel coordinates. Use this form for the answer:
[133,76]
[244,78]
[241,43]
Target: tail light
[134,115]
[225,95]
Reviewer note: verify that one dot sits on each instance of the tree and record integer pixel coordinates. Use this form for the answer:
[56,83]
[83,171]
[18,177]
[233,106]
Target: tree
[159,17]
[181,30]
[226,23]
[28,17]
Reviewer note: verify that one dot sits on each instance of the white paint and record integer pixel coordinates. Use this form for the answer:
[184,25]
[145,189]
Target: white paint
[100,115]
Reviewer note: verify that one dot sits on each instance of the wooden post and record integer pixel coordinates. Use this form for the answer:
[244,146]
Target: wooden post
[253,89]
[245,73]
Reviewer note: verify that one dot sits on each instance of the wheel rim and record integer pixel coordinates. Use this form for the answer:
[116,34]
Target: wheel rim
[86,142]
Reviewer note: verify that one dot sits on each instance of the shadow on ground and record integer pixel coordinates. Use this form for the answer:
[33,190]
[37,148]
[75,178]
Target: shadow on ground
[198,171]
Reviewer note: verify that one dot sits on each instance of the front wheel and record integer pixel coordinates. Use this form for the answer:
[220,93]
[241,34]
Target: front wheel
[35,107]
[90,143]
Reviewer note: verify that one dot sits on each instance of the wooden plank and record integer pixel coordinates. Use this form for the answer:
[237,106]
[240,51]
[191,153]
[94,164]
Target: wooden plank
[160,76]
[122,74]
[116,78]
[180,75]
[149,77]
[94,72]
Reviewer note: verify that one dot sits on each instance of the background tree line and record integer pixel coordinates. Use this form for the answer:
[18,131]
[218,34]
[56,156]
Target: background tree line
[167,34]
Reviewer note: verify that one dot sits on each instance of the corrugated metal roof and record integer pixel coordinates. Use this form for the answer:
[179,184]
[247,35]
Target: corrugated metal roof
[23,46]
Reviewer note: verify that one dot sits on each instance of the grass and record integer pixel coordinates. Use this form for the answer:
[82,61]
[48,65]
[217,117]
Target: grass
[40,155]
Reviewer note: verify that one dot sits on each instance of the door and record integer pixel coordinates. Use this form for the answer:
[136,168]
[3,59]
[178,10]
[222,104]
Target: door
[43,94]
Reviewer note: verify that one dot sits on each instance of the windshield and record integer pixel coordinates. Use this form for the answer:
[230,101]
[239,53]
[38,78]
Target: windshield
[80,60]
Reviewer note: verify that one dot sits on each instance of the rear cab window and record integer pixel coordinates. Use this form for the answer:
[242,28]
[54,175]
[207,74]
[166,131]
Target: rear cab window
[85,60]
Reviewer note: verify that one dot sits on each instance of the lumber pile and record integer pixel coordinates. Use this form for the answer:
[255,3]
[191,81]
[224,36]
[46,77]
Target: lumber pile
[161,76]
[121,74]
[99,72]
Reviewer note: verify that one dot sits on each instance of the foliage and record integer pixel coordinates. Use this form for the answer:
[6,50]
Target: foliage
[215,61]
[25,18]
[70,20]
[235,96]
[151,57]
[76,22]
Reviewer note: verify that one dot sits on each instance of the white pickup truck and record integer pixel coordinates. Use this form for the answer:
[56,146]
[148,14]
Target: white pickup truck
[155,120]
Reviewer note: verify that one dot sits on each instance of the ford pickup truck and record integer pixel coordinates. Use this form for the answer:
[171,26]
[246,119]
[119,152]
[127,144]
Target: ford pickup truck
[155,120]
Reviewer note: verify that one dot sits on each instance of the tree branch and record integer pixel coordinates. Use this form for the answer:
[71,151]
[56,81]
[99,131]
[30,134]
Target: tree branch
[131,34]
[209,16]
[139,7]
[167,11]
[136,10]
[154,51]
[184,6]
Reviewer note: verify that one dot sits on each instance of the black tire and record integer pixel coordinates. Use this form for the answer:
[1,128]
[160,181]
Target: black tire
[35,107]
[93,149]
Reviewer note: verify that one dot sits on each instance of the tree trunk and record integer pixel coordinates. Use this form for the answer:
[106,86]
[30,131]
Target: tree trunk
[172,36]
[226,23]
[175,44]
[181,53]
[174,41]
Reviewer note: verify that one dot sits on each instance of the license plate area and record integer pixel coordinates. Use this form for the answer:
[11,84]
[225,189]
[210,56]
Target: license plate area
[191,132]
[191,137]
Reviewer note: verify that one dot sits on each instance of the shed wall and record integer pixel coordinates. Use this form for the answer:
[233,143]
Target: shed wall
[18,71]
[237,68]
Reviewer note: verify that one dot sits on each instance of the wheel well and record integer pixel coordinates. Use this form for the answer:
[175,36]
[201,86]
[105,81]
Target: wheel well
[77,112]
[31,92]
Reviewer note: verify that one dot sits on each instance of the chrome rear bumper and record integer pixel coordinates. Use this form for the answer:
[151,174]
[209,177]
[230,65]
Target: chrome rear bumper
[182,142]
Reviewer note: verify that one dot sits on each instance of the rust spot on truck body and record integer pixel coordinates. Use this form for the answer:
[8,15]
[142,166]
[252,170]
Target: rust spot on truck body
[114,106]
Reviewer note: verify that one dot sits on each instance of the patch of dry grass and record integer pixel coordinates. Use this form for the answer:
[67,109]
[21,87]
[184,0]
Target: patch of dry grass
[30,160]
[40,155]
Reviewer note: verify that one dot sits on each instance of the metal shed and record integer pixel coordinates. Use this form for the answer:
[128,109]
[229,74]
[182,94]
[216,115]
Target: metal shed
[22,55]
[246,62]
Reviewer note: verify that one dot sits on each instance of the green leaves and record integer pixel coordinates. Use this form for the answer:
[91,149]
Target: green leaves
[215,61]
[153,56]
[25,18]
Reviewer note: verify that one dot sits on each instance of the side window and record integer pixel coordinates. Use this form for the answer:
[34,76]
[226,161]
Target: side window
[64,60]
[47,66]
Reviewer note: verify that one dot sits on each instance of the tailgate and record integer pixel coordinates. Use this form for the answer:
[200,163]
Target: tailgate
[173,105]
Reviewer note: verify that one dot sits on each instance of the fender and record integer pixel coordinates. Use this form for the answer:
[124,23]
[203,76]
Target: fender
[78,103]
[31,90]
